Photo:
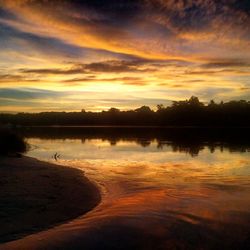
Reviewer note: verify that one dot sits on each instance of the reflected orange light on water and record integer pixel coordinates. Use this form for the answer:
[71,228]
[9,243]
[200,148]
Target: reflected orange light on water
[152,197]
[128,164]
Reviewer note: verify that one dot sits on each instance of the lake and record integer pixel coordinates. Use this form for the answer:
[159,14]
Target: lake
[162,188]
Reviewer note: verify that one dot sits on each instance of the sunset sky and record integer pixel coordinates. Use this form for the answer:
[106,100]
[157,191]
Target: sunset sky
[69,55]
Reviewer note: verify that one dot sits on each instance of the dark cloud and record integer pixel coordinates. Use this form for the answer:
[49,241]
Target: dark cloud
[82,79]
[7,15]
[178,15]
[125,80]
[245,88]
[113,66]
[226,64]
[117,25]
[10,78]
[201,72]
[195,14]
[27,93]
[242,5]
[17,103]
[14,39]
[111,6]
[181,13]
[217,70]
[54,71]
[108,7]
[16,78]
[113,12]
[178,86]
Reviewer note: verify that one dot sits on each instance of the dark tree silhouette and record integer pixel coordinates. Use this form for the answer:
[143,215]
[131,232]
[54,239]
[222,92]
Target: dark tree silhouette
[190,112]
[11,143]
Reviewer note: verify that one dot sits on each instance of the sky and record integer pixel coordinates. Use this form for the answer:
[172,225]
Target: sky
[68,55]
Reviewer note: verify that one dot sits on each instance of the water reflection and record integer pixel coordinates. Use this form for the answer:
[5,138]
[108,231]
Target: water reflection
[156,194]
[189,140]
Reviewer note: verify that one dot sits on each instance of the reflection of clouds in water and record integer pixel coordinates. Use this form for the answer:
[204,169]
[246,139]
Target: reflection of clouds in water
[150,166]
[94,150]
[201,199]
[134,167]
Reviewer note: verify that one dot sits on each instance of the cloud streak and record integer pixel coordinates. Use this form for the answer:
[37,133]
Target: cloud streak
[172,23]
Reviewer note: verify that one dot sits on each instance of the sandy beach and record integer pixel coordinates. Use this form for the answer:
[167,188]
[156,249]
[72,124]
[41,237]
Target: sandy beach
[37,195]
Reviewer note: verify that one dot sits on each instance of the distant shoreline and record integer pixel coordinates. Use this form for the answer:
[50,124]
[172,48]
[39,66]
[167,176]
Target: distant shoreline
[132,126]
[186,113]
[37,195]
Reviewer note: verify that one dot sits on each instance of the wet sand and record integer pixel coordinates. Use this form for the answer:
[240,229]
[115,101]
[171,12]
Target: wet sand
[36,196]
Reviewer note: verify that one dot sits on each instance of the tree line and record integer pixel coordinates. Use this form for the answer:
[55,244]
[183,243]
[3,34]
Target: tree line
[189,112]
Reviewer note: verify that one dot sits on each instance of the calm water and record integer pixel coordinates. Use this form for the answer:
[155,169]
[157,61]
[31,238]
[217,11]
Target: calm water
[159,192]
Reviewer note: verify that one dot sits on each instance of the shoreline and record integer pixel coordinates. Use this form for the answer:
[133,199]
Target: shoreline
[37,196]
